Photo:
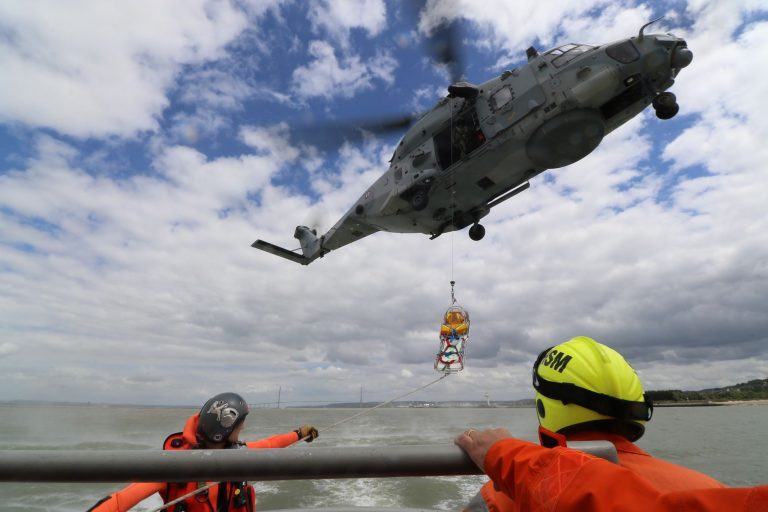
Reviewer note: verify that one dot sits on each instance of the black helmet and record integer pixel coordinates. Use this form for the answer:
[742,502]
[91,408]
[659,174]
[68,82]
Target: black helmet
[220,416]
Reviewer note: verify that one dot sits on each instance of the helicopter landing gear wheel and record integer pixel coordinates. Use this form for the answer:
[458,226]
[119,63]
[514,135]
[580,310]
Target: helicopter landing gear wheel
[665,105]
[419,199]
[477,232]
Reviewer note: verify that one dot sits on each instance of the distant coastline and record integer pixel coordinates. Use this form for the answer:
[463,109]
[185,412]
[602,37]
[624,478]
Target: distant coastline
[466,404]
[708,403]
[746,402]
[754,392]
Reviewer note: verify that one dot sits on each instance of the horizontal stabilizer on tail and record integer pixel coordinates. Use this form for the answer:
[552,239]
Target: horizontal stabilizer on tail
[350,228]
[279,251]
[311,246]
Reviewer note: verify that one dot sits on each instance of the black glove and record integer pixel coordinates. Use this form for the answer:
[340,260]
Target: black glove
[307,431]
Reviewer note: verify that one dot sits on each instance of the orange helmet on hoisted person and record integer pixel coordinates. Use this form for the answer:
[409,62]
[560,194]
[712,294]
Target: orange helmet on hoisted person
[455,322]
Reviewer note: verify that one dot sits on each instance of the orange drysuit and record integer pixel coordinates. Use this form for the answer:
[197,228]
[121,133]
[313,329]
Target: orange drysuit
[663,475]
[133,494]
[538,479]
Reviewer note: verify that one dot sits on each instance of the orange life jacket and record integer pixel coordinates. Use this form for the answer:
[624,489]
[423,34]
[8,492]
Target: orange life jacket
[225,496]
[231,494]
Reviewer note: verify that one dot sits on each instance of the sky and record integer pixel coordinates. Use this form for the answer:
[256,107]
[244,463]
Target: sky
[145,145]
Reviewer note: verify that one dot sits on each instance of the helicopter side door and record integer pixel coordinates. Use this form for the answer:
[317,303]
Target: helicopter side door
[459,139]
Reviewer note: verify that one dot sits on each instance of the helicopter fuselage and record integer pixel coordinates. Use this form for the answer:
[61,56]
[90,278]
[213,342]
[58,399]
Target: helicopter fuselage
[555,110]
[482,144]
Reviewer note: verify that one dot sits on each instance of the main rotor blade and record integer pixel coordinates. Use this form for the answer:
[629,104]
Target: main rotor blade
[386,126]
[443,40]
[444,44]
[332,134]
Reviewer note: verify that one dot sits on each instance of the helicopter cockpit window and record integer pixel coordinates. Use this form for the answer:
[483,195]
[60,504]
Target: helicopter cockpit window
[624,52]
[501,98]
[566,53]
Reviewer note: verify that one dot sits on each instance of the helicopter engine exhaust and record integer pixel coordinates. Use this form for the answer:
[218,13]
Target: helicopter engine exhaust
[307,237]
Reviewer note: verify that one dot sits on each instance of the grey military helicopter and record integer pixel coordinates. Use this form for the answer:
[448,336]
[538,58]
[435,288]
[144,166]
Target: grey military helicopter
[481,144]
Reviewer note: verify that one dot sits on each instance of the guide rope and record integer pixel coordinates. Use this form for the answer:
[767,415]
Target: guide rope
[382,404]
[182,498]
[366,411]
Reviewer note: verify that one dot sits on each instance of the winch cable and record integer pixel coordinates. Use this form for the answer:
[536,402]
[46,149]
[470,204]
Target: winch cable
[453,193]
[366,411]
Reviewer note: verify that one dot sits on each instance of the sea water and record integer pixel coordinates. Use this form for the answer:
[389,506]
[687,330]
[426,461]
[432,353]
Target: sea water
[725,442]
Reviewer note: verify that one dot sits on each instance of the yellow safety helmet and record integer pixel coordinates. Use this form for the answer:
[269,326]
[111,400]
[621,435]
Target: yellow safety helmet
[584,385]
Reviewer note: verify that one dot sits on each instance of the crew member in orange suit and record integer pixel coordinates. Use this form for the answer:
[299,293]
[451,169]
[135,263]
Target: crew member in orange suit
[586,391]
[217,426]
[538,479]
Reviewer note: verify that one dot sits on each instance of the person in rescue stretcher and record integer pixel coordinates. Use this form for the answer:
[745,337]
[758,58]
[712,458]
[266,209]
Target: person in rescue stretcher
[454,333]
[217,426]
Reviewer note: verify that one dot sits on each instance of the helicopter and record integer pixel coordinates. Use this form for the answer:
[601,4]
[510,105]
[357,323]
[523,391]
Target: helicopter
[482,144]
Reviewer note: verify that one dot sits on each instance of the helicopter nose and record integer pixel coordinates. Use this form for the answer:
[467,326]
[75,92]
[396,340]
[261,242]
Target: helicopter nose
[681,56]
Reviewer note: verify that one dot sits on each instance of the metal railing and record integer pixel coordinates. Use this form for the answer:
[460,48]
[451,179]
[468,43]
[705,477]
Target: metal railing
[244,464]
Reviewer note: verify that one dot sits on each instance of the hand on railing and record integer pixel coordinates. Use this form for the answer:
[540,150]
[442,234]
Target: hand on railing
[307,432]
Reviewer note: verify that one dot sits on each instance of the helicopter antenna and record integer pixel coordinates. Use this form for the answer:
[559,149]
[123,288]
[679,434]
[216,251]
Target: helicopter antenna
[640,35]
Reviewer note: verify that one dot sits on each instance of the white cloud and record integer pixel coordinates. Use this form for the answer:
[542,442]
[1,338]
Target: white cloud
[326,76]
[142,287]
[259,7]
[515,29]
[273,140]
[338,17]
[92,68]
[208,98]
[7,348]
[733,95]
[215,89]
[175,300]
